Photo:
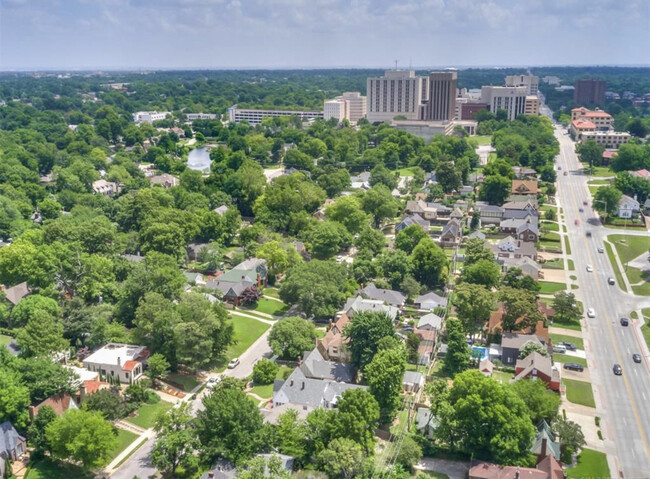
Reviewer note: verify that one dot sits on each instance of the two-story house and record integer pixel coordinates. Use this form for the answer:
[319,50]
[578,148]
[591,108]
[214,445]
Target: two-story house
[124,361]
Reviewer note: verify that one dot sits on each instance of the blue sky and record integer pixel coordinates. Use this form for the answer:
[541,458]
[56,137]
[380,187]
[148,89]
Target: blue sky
[91,34]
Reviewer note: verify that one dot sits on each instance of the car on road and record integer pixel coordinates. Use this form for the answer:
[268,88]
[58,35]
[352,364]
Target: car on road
[618,370]
[636,357]
[581,209]
[590,269]
[565,173]
[569,346]
[559,168]
[576,222]
[588,234]
[591,313]
[574,367]
[584,202]
[611,281]
[601,249]
[234,362]
[624,322]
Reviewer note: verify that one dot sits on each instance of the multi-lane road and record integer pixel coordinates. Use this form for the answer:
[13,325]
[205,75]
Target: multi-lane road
[623,402]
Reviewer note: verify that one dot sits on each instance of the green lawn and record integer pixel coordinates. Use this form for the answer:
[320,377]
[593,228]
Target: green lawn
[590,464]
[564,358]
[579,392]
[552,237]
[572,266]
[547,287]
[482,139]
[617,271]
[554,264]
[635,275]
[567,245]
[406,171]
[643,290]
[550,226]
[48,469]
[147,414]
[558,338]
[492,157]
[247,331]
[551,246]
[266,390]
[5,339]
[320,333]
[574,325]
[501,376]
[598,171]
[645,329]
[124,438]
[431,474]
[187,382]
[273,292]
[272,307]
[629,247]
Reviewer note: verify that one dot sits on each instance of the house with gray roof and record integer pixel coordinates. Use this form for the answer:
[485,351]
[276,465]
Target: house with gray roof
[425,423]
[430,322]
[490,214]
[359,304]
[360,181]
[545,442]
[452,233]
[511,343]
[12,445]
[429,301]
[315,366]
[221,210]
[528,232]
[413,219]
[16,293]
[310,393]
[256,267]
[527,266]
[412,381]
[510,247]
[476,234]
[394,298]
[231,292]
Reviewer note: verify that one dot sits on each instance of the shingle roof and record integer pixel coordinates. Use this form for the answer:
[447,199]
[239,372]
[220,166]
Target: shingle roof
[412,377]
[394,298]
[516,341]
[358,304]
[534,361]
[431,296]
[314,366]
[9,437]
[59,402]
[16,293]
[435,322]
[302,390]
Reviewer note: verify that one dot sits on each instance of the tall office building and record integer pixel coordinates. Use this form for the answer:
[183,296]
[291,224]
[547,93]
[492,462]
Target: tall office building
[511,99]
[442,96]
[531,82]
[589,92]
[397,93]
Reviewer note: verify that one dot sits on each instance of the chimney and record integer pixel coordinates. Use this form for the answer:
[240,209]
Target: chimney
[119,361]
[517,473]
[291,383]
[303,386]
[210,474]
[542,453]
[82,392]
[299,361]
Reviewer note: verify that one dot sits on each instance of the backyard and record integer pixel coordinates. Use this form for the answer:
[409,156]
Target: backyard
[147,414]
[47,469]
[590,464]
[579,392]
[266,390]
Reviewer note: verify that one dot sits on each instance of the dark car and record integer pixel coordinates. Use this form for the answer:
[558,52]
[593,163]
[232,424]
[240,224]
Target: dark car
[407,329]
[574,367]
[618,370]
[569,346]
[636,357]
[624,322]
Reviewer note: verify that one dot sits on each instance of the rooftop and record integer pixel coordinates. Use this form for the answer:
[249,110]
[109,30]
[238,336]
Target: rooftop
[118,354]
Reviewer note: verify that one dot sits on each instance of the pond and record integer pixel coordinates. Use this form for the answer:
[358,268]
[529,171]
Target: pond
[199,160]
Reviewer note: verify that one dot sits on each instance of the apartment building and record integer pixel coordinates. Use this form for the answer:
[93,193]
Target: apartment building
[350,106]
[531,107]
[149,116]
[601,119]
[510,99]
[397,93]
[255,117]
[442,96]
[531,82]
[608,139]
[589,91]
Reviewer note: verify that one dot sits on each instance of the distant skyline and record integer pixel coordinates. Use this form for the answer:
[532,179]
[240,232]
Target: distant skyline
[228,34]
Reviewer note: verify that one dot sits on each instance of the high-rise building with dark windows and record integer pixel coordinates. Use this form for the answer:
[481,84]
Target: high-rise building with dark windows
[442,96]
[589,92]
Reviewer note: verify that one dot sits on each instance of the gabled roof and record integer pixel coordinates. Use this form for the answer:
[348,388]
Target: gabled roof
[9,438]
[452,227]
[414,219]
[59,402]
[314,366]
[529,186]
[358,304]
[516,341]
[484,207]
[551,467]
[528,226]
[394,298]
[251,264]
[533,361]
[226,286]
[16,293]
[431,296]
[412,377]
[431,320]
[299,389]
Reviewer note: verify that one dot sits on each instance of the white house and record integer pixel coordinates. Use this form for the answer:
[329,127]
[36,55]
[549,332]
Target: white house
[627,207]
[125,361]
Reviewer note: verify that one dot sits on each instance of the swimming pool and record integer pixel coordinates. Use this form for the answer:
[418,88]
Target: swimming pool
[479,352]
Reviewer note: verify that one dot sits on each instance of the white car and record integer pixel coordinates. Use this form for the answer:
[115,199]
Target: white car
[591,313]
[590,269]
[234,362]
[601,249]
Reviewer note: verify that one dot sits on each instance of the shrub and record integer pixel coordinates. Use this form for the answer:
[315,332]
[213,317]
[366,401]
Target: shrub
[151,397]
[264,371]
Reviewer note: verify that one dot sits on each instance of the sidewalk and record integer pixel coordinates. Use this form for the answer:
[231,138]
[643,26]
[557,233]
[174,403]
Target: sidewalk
[585,417]
[128,450]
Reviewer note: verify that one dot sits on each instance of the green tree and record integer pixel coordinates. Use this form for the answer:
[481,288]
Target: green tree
[484,272]
[14,399]
[28,306]
[550,215]
[570,435]
[328,238]
[395,265]
[230,425]
[43,377]
[36,432]
[409,237]
[357,418]
[384,376]
[264,371]
[42,335]
[515,278]
[278,257]
[532,347]
[590,152]
[107,403]
[176,440]
[520,309]
[430,263]
[291,337]
[631,157]
[166,238]
[448,177]
[475,250]
[380,175]
[364,332]
[379,202]
[49,208]
[291,434]
[495,189]
[371,240]
[542,403]
[565,307]
[157,367]
[410,453]
[260,468]
[475,222]
[82,436]
[606,200]
[457,357]
[343,458]
[474,303]
[410,287]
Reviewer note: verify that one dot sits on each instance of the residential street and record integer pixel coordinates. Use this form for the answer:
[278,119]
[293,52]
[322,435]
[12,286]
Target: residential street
[621,401]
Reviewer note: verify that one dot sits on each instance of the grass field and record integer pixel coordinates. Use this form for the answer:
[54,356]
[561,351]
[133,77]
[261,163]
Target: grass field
[617,271]
[551,246]
[47,469]
[564,358]
[124,438]
[554,264]
[266,390]
[551,288]
[5,339]
[629,247]
[247,331]
[147,414]
[579,392]
[599,171]
[590,464]
[550,226]
[572,266]
[552,237]
[645,329]
[273,292]
[504,378]
[557,338]
[272,307]
[406,171]
[482,139]
[567,245]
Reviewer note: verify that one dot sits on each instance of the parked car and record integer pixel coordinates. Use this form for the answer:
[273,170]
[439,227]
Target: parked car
[636,357]
[574,367]
[591,313]
[584,202]
[588,234]
[234,362]
[625,322]
[590,269]
[618,370]
[407,329]
[558,348]
[611,281]
[569,346]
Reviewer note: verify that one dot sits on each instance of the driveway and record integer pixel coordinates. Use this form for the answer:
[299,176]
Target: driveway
[454,469]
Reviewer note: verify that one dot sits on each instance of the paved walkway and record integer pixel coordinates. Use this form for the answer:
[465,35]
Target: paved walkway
[127,426]
[246,315]
[149,433]
[585,417]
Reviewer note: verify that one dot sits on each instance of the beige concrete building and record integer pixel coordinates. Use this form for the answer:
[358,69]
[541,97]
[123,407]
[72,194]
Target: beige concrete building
[442,96]
[255,117]
[531,82]
[350,106]
[397,93]
[608,139]
[532,105]
[510,99]
[601,119]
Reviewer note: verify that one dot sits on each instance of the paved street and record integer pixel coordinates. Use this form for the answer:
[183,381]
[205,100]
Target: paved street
[621,401]
[139,464]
